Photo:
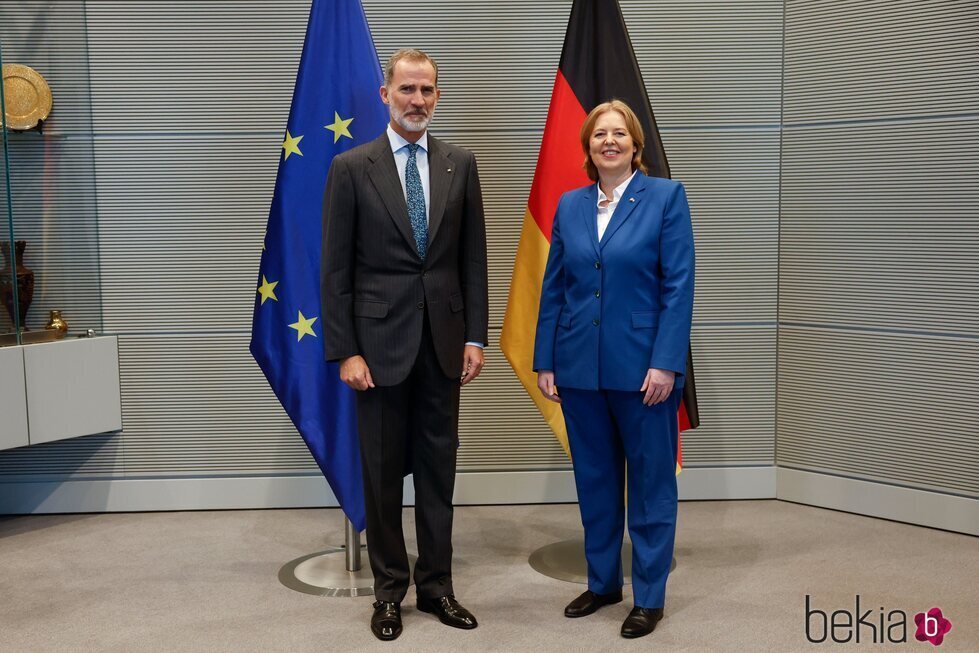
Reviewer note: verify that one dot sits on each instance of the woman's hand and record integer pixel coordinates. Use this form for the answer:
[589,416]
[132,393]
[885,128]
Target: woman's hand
[657,386]
[545,381]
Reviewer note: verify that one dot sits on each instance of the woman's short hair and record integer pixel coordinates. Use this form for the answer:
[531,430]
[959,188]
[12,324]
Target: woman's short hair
[632,125]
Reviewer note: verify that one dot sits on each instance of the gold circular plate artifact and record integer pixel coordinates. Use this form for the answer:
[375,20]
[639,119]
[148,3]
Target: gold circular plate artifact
[26,96]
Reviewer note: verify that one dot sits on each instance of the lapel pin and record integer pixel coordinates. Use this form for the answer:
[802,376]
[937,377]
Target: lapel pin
[448,169]
[632,199]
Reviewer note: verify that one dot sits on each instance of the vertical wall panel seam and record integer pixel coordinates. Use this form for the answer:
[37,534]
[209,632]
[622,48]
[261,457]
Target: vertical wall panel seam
[778,229]
[98,235]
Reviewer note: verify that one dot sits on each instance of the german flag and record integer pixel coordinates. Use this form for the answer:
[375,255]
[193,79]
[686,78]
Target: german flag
[597,64]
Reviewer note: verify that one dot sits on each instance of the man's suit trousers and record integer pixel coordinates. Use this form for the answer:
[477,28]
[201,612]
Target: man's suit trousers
[607,429]
[411,426]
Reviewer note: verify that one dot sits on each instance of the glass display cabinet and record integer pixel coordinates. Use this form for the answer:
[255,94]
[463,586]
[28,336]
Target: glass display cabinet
[56,369]
[49,256]
[9,323]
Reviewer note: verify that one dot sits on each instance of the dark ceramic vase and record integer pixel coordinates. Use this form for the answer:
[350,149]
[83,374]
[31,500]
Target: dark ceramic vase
[25,282]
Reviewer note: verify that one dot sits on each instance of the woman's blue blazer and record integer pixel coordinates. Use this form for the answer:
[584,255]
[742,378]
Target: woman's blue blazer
[611,310]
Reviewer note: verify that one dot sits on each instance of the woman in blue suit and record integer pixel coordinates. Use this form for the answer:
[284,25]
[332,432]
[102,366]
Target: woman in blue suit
[612,333]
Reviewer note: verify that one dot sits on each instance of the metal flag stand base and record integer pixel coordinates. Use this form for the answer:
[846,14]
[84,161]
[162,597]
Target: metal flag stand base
[566,561]
[334,572]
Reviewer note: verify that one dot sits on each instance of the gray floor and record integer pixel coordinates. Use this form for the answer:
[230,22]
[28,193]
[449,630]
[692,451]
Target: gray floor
[207,581]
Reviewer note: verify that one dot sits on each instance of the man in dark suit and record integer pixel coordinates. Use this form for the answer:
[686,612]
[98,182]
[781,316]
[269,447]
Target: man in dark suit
[405,306]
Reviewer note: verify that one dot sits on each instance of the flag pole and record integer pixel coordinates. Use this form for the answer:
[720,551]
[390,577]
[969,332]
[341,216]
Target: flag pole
[352,545]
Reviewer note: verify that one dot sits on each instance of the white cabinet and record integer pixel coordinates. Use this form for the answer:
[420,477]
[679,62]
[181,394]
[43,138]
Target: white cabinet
[57,390]
[13,398]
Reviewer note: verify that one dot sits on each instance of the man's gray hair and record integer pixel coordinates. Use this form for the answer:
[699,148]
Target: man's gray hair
[408,54]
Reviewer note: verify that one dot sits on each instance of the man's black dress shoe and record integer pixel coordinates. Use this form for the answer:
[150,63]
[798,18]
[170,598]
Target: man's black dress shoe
[386,622]
[449,612]
[641,621]
[588,602]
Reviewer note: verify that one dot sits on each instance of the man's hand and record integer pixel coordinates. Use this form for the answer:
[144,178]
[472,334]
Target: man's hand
[472,363]
[657,386]
[545,381]
[355,373]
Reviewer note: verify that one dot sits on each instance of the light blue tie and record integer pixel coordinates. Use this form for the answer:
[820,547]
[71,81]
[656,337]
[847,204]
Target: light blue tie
[416,201]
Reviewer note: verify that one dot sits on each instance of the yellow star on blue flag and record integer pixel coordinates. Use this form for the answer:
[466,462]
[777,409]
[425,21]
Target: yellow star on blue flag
[304,326]
[291,144]
[340,127]
[267,290]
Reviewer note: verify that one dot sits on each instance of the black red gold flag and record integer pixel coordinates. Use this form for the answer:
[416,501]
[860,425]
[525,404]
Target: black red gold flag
[597,64]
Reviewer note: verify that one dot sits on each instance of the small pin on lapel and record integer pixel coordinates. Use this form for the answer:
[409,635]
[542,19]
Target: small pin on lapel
[448,169]
[632,199]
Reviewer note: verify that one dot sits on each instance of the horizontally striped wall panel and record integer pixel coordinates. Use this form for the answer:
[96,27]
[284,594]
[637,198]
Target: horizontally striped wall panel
[182,222]
[193,67]
[887,233]
[497,59]
[735,370]
[731,179]
[500,428]
[710,62]
[880,243]
[198,404]
[871,59]
[92,456]
[896,408]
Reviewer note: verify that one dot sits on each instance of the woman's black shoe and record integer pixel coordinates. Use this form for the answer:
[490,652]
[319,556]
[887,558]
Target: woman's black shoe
[641,621]
[588,602]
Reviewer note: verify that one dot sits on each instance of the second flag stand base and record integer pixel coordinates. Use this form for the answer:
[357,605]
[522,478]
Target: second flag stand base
[566,561]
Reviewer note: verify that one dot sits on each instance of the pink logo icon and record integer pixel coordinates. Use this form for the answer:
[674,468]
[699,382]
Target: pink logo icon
[932,626]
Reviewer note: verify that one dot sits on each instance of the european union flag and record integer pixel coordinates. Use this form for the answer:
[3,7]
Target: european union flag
[335,106]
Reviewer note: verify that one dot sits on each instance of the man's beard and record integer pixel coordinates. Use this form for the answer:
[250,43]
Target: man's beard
[413,122]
